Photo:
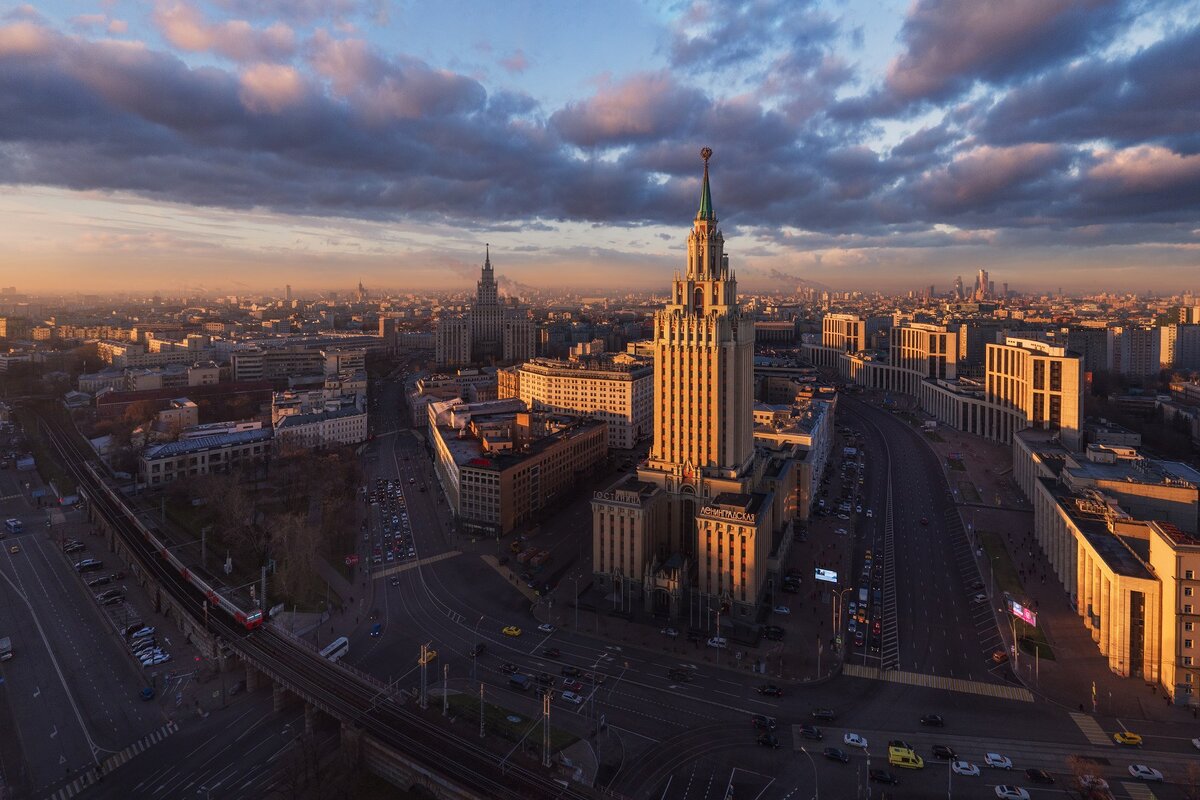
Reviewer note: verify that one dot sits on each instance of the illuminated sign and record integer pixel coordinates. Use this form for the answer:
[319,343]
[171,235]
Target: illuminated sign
[1022,612]
[827,575]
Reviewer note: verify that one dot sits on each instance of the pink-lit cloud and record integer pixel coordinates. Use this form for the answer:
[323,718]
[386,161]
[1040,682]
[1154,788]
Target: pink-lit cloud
[186,28]
[271,88]
[1149,168]
[644,107]
[516,63]
[982,174]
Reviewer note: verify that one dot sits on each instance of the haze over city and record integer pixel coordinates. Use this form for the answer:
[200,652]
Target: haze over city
[234,145]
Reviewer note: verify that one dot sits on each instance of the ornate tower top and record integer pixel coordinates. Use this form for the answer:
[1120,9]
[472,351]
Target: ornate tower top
[706,207]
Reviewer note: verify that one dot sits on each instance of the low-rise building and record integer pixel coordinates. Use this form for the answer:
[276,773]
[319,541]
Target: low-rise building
[161,464]
[329,428]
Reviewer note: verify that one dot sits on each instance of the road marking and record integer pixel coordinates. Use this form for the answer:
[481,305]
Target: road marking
[1137,791]
[940,682]
[1091,730]
[112,762]
[407,565]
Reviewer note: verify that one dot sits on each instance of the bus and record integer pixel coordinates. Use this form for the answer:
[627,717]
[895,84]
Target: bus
[13,525]
[337,649]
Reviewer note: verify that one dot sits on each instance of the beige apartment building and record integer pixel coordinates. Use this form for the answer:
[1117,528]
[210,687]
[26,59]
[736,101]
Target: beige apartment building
[500,465]
[618,391]
[1120,533]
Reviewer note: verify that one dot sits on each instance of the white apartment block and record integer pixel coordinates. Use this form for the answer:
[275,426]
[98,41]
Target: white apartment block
[189,457]
[346,425]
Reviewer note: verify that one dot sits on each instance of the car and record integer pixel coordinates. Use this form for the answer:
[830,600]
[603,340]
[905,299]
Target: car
[1196,743]
[1039,776]
[544,678]
[876,628]
[811,732]
[395,580]
[836,754]
[1011,793]
[924,521]
[770,690]
[841,531]
[768,740]
[508,668]
[1127,738]
[571,672]
[944,752]
[511,630]
[998,761]
[900,743]
[572,686]
[824,714]
[74,547]
[964,768]
[670,633]
[870,513]
[478,650]
[14,549]
[782,610]
[763,722]
[572,697]
[101,581]
[682,675]
[860,638]
[1144,773]
[933,720]
[146,693]
[599,678]
[430,655]
[552,652]
[719,642]
[854,740]
[1093,782]
[999,655]
[843,516]
[883,776]
[377,630]
[159,659]
[142,632]
[979,599]
[546,627]
[858,509]
[113,600]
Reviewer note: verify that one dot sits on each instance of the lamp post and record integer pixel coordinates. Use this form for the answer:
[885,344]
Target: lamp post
[475,649]
[816,784]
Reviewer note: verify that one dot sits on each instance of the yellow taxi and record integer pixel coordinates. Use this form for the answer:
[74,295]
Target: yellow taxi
[511,630]
[429,656]
[1127,738]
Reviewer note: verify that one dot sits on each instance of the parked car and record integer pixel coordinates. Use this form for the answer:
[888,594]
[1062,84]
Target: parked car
[933,720]
[883,776]
[763,722]
[998,761]
[823,714]
[1145,773]
[836,754]
[1011,793]
[944,752]
[964,768]
[768,740]
[1039,776]
[811,732]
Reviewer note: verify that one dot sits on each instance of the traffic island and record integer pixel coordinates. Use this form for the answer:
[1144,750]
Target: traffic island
[1006,578]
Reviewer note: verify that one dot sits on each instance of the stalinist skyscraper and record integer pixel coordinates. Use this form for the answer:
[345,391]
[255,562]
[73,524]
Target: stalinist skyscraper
[700,514]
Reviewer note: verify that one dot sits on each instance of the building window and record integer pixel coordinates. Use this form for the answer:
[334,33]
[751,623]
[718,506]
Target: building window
[1187,643]
[1187,661]
[1187,574]
[1187,609]
[1187,591]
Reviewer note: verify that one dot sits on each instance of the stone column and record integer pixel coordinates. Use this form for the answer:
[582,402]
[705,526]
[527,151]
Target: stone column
[351,745]
[278,697]
[252,679]
[1106,625]
[310,717]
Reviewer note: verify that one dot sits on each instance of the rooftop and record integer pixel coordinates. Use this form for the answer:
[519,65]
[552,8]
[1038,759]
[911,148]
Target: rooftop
[199,445]
[1093,524]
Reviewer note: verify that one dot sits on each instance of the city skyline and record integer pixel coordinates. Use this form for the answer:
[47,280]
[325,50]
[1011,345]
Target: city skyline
[236,146]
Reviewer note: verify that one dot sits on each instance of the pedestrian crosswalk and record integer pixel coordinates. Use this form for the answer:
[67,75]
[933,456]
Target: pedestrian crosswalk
[1137,791]
[112,762]
[940,682]
[407,565]
[1091,729]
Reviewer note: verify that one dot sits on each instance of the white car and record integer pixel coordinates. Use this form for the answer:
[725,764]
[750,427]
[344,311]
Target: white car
[571,697]
[546,627]
[964,768]
[1093,782]
[1196,743]
[870,513]
[718,642]
[1011,793]
[782,610]
[1144,773]
[841,531]
[854,740]
[998,761]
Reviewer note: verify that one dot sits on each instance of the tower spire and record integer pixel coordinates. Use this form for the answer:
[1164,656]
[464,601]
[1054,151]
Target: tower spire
[487,255]
[706,207]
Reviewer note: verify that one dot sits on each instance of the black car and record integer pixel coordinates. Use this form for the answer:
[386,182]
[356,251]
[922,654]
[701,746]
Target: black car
[836,754]
[478,649]
[508,668]
[763,722]
[903,745]
[883,776]
[770,690]
[944,752]
[1039,776]
[824,714]
[934,720]
[768,740]
[572,672]
[551,652]
[811,732]
[681,675]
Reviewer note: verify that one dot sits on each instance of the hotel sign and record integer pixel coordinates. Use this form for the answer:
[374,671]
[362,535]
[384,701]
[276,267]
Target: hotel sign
[730,514]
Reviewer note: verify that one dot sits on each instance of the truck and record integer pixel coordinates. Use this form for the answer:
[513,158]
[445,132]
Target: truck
[521,682]
[862,596]
[524,556]
[540,558]
[5,648]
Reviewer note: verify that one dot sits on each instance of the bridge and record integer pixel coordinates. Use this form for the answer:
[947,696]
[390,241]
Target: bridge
[377,732]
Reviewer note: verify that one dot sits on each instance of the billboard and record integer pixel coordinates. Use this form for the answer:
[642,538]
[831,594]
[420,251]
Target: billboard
[1021,611]
[827,575]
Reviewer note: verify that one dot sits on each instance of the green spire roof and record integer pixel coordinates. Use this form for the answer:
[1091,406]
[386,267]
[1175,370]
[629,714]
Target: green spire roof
[706,206]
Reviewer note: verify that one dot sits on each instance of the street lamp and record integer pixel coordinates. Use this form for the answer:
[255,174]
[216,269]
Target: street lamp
[475,649]
[816,785]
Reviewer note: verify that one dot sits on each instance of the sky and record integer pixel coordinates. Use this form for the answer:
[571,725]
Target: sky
[236,145]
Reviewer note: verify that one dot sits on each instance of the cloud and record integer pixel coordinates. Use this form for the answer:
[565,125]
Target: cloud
[271,88]
[516,63]
[979,177]
[645,107]
[185,27]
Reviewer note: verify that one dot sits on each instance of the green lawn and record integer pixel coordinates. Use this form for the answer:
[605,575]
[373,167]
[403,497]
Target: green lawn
[968,492]
[466,707]
[1008,580]
[956,464]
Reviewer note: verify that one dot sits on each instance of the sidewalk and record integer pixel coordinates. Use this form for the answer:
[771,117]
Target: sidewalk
[1066,680]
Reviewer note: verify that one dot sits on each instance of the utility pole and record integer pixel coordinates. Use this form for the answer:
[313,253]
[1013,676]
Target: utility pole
[424,660]
[481,729]
[445,694]
[546,730]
